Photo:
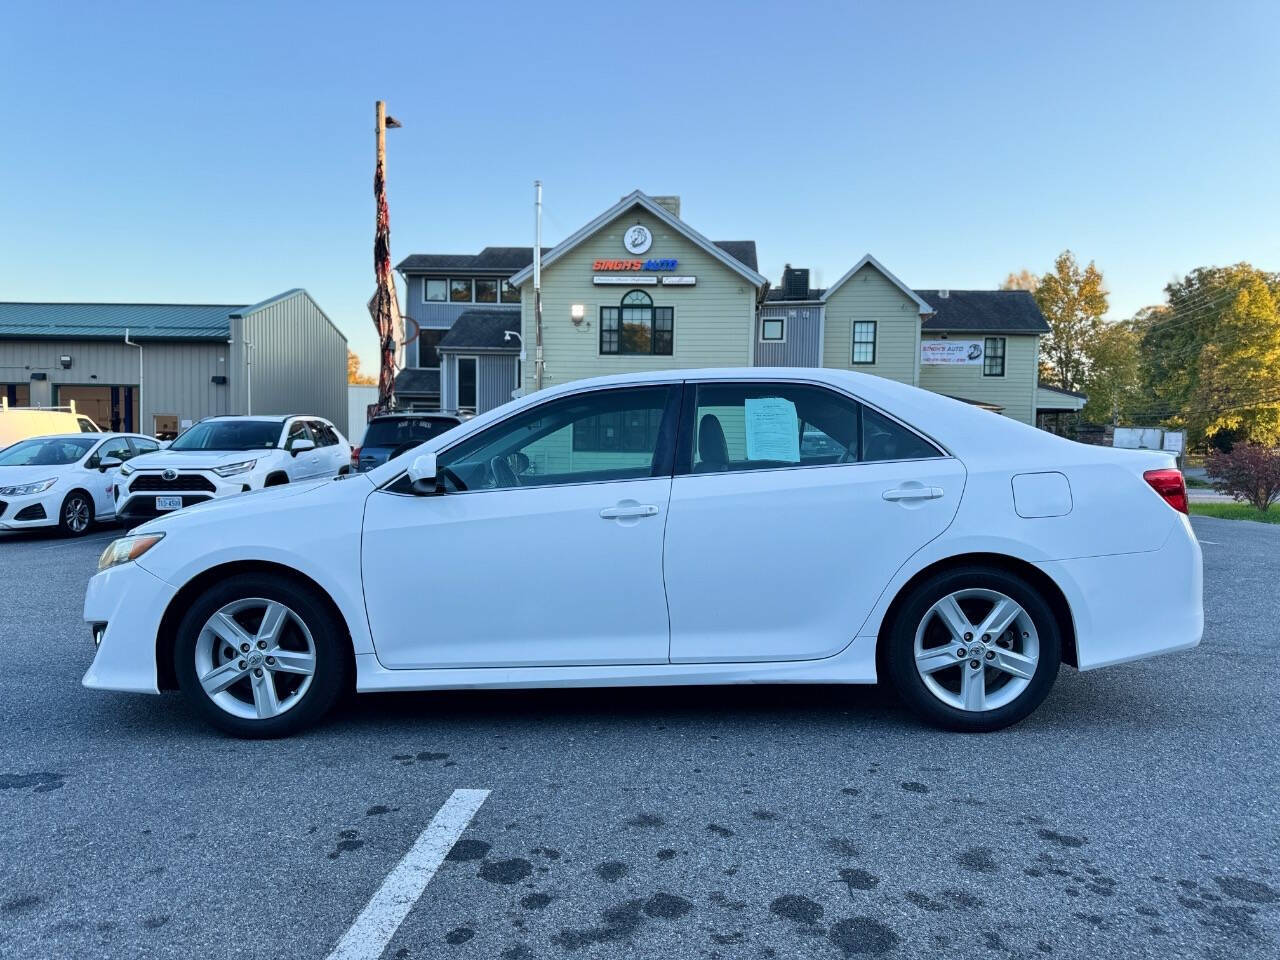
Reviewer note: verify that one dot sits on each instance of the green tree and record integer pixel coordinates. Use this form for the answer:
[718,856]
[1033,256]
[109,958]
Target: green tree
[1113,382]
[1073,301]
[1212,354]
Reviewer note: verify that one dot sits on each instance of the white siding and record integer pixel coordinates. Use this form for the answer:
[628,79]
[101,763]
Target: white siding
[868,295]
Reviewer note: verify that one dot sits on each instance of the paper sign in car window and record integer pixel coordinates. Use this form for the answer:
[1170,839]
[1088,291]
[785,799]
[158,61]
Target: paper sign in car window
[772,431]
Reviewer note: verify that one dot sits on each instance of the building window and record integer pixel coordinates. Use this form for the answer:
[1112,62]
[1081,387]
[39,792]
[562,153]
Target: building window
[467,384]
[459,291]
[637,327]
[864,341]
[510,294]
[993,357]
[486,291]
[773,329]
[435,290]
[428,340]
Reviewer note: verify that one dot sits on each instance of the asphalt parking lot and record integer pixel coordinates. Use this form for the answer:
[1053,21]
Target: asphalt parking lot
[1134,815]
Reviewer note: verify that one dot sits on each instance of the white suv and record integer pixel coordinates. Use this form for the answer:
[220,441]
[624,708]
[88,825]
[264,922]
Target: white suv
[222,456]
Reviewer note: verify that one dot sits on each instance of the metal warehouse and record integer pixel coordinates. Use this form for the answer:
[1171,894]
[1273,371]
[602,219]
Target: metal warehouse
[159,367]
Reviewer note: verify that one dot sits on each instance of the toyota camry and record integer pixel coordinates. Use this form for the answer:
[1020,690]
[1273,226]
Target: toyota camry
[687,527]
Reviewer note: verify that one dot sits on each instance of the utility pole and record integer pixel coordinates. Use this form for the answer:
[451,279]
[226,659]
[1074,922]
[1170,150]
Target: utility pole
[537,285]
[383,307]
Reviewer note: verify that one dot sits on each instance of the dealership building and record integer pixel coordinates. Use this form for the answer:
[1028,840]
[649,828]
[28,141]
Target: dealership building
[156,367]
[638,288]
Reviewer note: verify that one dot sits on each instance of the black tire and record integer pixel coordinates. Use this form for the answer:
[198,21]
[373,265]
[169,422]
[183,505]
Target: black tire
[277,480]
[332,654]
[76,509]
[899,658]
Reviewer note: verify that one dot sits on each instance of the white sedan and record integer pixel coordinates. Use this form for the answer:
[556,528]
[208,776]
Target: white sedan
[691,527]
[64,480]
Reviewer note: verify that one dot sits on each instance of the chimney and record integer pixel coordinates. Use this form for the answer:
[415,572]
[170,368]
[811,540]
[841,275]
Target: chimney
[670,204]
[795,283]
[944,293]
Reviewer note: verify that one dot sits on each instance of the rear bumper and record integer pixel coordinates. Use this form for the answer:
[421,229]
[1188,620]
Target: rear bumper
[131,602]
[1133,605]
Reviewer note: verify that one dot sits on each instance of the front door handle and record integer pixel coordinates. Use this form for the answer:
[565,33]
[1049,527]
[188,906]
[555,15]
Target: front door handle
[629,510]
[913,493]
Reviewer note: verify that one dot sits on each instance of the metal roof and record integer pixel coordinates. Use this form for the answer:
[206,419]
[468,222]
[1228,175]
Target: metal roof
[418,381]
[108,321]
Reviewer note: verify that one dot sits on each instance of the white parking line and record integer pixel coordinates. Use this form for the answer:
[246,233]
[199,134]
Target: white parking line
[386,910]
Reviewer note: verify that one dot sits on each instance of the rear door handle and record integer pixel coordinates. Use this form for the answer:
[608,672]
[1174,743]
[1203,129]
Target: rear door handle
[913,493]
[623,512]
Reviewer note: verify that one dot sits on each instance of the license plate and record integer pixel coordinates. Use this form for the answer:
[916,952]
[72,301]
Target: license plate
[168,503]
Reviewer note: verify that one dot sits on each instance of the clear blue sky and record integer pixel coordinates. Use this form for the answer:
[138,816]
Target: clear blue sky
[219,152]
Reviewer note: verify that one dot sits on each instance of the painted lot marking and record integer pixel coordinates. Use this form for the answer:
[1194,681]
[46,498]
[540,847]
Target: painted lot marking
[369,935]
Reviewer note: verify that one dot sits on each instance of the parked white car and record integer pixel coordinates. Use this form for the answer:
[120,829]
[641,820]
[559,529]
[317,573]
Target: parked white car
[222,456]
[669,528]
[64,480]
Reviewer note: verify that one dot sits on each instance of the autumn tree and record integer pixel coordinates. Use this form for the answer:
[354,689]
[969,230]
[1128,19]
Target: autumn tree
[353,370]
[1212,354]
[1022,280]
[1073,300]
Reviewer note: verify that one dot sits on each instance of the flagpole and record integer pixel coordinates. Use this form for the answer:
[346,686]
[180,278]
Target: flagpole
[383,307]
[537,285]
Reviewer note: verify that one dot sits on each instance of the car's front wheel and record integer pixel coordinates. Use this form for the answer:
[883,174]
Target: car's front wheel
[260,655]
[974,649]
[76,516]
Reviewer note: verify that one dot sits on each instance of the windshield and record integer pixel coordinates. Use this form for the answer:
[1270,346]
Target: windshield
[230,435]
[43,452]
[395,431]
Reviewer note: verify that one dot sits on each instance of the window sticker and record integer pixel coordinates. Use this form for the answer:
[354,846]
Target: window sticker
[772,433]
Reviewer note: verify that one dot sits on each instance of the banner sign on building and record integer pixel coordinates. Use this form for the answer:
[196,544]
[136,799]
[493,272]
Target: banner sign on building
[951,352]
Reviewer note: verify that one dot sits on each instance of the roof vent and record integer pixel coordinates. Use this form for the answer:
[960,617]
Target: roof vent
[669,203]
[943,294]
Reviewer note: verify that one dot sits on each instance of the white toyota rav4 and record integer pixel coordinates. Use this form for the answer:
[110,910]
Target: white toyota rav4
[222,456]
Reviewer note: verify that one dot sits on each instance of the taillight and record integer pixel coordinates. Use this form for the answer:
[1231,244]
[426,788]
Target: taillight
[355,456]
[1169,484]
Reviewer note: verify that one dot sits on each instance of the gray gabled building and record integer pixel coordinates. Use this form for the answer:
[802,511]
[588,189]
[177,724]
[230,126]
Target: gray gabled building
[157,367]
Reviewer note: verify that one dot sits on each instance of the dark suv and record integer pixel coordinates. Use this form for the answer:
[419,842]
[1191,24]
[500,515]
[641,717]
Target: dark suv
[393,433]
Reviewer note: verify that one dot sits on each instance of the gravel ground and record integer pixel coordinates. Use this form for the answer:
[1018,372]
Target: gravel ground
[1134,815]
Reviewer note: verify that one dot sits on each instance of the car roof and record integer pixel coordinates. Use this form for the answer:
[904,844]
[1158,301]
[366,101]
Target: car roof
[271,418]
[418,415]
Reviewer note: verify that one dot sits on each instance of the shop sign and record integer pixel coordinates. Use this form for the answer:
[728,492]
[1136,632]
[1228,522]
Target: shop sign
[679,281]
[635,265]
[617,281]
[951,352]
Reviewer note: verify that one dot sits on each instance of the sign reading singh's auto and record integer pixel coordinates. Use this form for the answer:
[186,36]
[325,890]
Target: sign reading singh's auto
[634,264]
[950,352]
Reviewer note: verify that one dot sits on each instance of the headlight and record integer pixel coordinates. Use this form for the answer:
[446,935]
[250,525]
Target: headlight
[127,549]
[125,469]
[26,489]
[232,469]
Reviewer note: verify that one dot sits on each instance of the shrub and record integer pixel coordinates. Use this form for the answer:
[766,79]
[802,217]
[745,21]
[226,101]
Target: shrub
[1249,472]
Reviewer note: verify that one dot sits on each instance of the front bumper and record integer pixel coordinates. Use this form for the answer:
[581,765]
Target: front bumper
[33,510]
[134,504]
[130,601]
[1129,606]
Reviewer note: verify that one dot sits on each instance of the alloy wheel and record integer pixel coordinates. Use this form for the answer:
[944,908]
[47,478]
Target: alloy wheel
[255,658]
[976,649]
[75,514]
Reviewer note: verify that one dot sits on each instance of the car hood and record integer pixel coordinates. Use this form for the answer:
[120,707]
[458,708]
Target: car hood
[13,476]
[195,459]
[259,501]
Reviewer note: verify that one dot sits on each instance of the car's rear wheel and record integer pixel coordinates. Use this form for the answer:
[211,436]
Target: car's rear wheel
[260,656]
[76,516]
[974,649]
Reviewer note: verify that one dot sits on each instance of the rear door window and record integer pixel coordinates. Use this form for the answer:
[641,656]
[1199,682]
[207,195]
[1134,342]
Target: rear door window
[733,427]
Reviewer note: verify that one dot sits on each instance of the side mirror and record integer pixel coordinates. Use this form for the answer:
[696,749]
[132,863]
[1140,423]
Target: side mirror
[301,445]
[108,463]
[422,475]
